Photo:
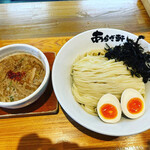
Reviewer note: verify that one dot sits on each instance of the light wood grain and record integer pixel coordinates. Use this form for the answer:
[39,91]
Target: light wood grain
[53,43]
[60,132]
[40,24]
[146,4]
[68,18]
[45,44]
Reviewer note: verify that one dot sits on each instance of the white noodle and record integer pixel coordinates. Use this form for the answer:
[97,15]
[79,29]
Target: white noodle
[93,76]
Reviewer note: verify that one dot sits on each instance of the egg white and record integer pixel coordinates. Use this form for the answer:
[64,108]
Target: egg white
[109,99]
[125,97]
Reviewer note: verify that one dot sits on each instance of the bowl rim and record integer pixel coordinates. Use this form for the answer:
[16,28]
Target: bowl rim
[46,77]
[59,98]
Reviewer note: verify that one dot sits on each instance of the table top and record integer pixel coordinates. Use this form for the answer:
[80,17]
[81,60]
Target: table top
[68,18]
[47,26]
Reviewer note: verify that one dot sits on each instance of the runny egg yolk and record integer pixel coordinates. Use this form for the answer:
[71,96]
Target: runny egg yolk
[108,111]
[135,105]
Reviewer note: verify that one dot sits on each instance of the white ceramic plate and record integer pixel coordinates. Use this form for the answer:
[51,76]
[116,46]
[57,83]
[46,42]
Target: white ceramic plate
[62,83]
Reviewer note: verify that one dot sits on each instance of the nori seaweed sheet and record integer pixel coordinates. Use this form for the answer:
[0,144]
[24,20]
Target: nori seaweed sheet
[133,56]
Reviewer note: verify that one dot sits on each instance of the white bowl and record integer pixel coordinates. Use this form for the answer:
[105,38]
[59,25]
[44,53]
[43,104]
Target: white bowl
[14,48]
[62,85]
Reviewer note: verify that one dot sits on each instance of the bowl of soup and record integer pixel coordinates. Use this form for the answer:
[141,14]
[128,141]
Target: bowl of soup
[24,75]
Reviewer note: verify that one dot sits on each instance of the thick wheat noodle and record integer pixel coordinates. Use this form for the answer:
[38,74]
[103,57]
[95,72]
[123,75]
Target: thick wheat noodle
[93,76]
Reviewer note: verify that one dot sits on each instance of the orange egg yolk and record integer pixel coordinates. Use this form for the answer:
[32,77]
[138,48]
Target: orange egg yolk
[135,105]
[108,111]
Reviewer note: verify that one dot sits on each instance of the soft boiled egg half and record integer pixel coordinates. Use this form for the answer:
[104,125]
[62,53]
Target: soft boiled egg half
[109,109]
[132,103]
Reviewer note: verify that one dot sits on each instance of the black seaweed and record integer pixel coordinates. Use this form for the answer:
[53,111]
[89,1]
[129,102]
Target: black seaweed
[133,56]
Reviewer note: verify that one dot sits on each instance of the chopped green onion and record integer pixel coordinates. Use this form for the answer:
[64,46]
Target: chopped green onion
[11,98]
[10,83]
[21,60]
